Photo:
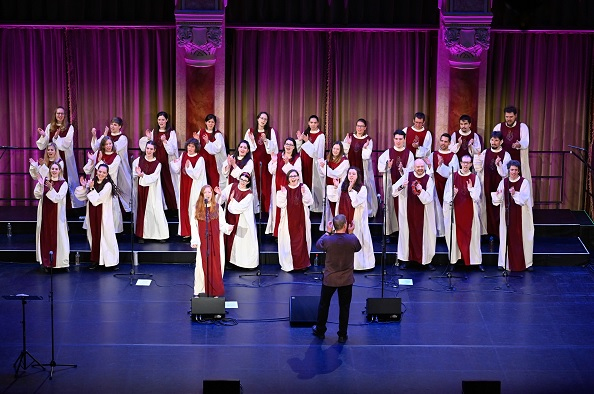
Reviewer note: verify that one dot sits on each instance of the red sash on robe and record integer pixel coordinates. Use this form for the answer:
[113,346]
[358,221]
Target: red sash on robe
[63,134]
[464,214]
[213,277]
[233,218]
[415,136]
[166,181]
[48,233]
[415,211]
[463,148]
[296,219]
[440,181]
[264,180]
[329,180]
[397,157]
[307,163]
[147,167]
[95,219]
[356,153]
[115,138]
[185,189]
[515,238]
[345,207]
[510,136]
[108,158]
[280,179]
[492,179]
[210,161]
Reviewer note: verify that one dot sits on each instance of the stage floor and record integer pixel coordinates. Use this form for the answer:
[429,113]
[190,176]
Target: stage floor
[534,336]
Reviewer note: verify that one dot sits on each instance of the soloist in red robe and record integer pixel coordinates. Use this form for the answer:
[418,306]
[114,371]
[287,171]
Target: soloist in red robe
[211,256]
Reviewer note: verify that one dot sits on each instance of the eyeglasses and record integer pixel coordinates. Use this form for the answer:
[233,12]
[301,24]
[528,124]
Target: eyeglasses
[293,176]
[244,180]
[360,125]
[263,118]
[59,113]
[466,162]
[289,145]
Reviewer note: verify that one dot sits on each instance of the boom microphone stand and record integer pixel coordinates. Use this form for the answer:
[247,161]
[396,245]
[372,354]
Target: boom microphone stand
[259,273]
[316,271]
[52,364]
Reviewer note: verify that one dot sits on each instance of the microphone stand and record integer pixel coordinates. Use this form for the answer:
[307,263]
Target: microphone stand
[52,364]
[259,273]
[316,271]
[133,254]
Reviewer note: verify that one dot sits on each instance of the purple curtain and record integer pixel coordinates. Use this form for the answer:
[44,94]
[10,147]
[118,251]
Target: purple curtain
[95,73]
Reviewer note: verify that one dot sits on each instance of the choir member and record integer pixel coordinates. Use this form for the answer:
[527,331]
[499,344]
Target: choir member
[120,142]
[190,170]
[491,167]
[208,227]
[213,151]
[102,194]
[41,166]
[279,166]
[351,201]
[443,163]
[106,154]
[335,167]
[516,230]
[358,147]
[165,142]
[263,144]
[241,244]
[239,162]
[416,216]
[51,233]
[61,133]
[418,139]
[311,145]
[392,164]
[461,212]
[465,141]
[149,215]
[516,138]
[294,230]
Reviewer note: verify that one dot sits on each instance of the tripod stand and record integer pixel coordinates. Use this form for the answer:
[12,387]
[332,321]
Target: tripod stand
[21,361]
[133,274]
[52,364]
[258,272]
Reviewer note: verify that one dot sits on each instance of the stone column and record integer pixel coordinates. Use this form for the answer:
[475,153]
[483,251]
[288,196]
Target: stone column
[200,65]
[461,66]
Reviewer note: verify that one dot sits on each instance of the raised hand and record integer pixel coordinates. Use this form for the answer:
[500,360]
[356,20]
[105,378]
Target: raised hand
[94,132]
[196,135]
[83,181]
[469,184]
[99,156]
[148,133]
[40,160]
[348,139]
[40,179]
[321,163]
[390,162]
[232,195]
[439,160]
[231,160]
[302,189]
[205,139]
[299,134]
[335,182]
[217,190]
[163,138]
[251,136]
[512,191]
[90,155]
[498,161]
[351,227]
[90,184]
[41,131]
[138,171]
[366,144]
[32,161]
[329,226]
[106,130]
[283,189]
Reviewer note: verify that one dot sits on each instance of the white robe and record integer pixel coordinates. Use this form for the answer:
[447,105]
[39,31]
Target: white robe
[524,161]
[66,145]
[315,151]
[236,172]
[198,175]
[172,153]
[244,252]
[524,199]
[155,223]
[426,147]
[36,169]
[62,254]
[199,285]
[445,171]
[368,174]
[476,256]
[365,258]
[271,146]
[473,149]
[124,176]
[339,173]
[109,254]
[114,168]
[388,183]
[429,232]
[272,169]
[218,150]
[284,235]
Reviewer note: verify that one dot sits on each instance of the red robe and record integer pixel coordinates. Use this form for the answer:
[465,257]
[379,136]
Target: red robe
[510,136]
[414,136]
[464,214]
[491,180]
[398,158]
[515,245]
[356,153]
[296,221]
[264,180]
[307,164]
[280,179]
[211,257]
[233,219]
[440,181]
[416,217]
[345,207]
[185,189]
[330,181]
[95,218]
[147,167]
[210,161]
[166,181]
[48,235]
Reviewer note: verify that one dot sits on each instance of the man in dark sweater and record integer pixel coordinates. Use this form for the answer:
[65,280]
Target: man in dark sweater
[340,248]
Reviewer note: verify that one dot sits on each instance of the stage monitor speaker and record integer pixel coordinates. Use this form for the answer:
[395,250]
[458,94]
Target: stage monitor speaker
[481,387]
[208,308]
[384,309]
[221,386]
[303,310]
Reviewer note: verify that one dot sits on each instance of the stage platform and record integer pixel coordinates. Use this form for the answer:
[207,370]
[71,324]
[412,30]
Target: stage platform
[562,238]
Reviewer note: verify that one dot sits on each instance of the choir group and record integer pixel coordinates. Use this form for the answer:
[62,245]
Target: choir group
[216,195]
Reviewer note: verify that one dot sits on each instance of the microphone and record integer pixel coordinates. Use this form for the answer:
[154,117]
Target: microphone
[51,257]
[576,147]
[379,197]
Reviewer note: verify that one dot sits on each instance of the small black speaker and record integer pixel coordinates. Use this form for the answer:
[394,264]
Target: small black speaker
[303,310]
[208,307]
[221,386]
[481,387]
[384,309]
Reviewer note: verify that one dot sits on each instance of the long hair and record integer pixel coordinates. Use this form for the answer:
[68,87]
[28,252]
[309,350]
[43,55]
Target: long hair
[267,127]
[60,174]
[358,183]
[115,190]
[248,156]
[54,123]
[209,117]
[104,142]
[213,211]
[294,153]
[152,143]
[168,126]
[46,159]
[337,159]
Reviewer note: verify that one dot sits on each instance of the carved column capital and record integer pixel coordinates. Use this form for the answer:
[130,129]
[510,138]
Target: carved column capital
[466,37]
[199,35]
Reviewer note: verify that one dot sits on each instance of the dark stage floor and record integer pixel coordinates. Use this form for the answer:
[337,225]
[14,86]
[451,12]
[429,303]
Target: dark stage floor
[534,337]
